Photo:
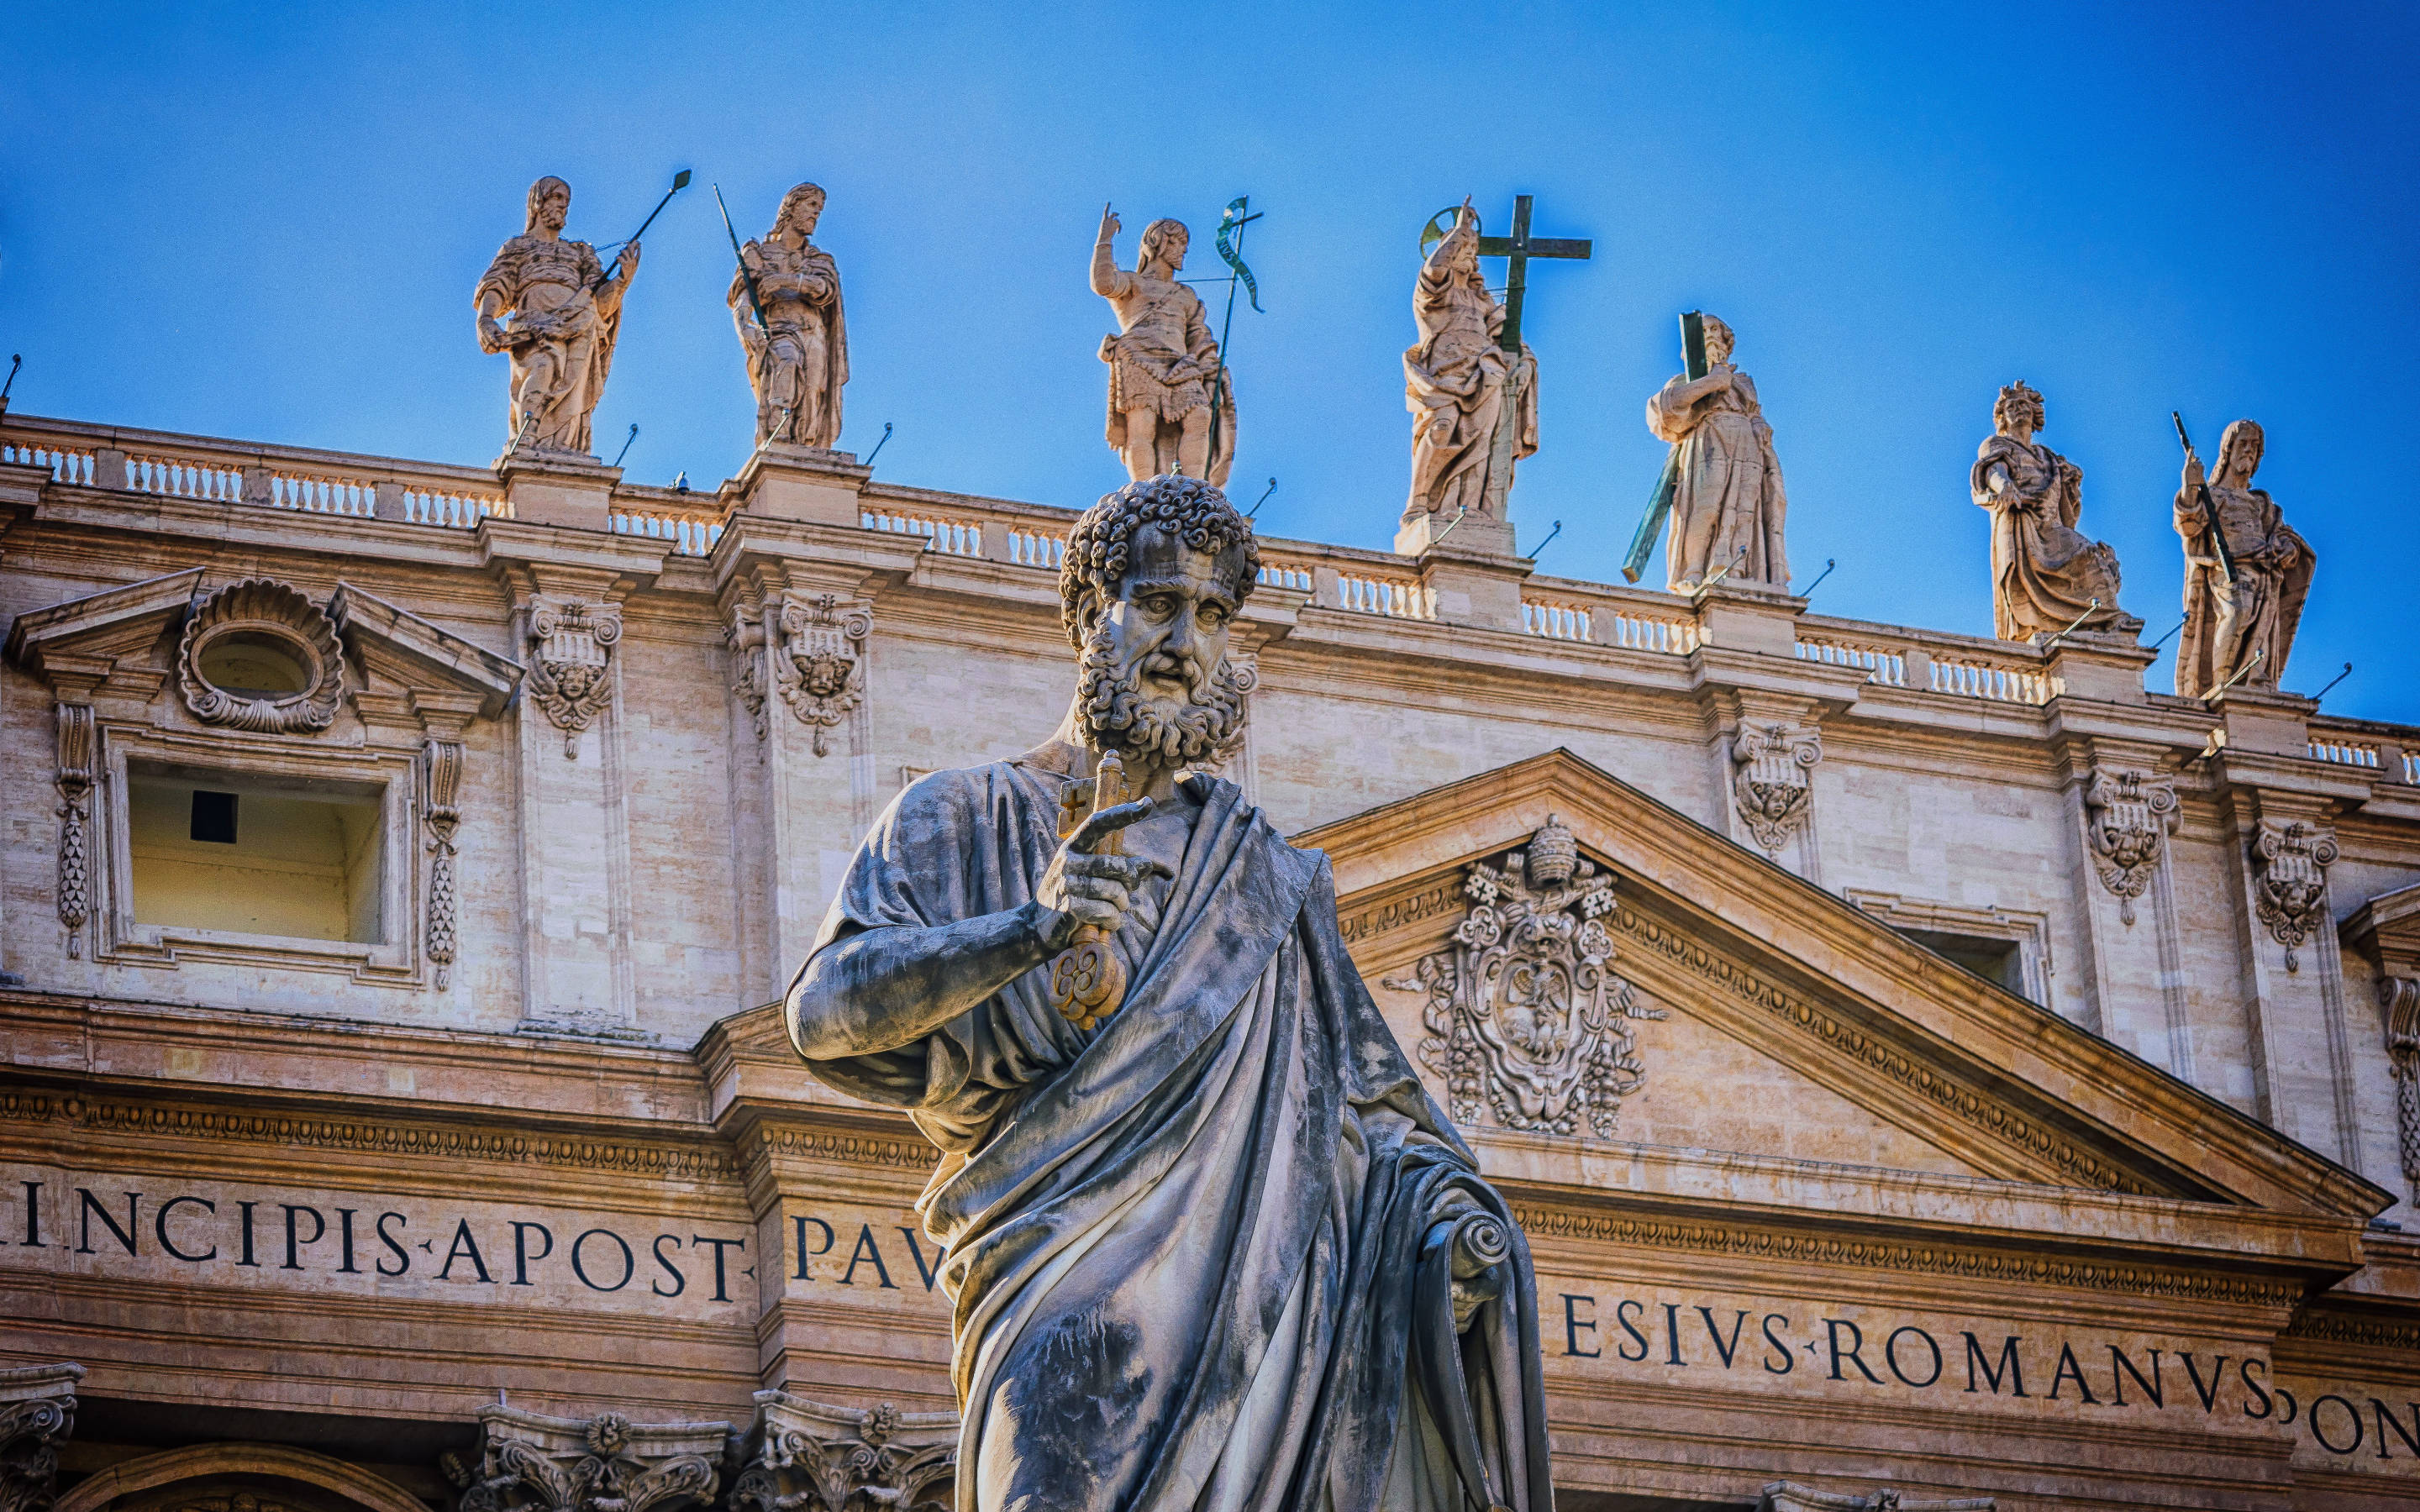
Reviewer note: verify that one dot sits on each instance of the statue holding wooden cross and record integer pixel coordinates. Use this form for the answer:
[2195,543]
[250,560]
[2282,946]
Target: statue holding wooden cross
[1470,383]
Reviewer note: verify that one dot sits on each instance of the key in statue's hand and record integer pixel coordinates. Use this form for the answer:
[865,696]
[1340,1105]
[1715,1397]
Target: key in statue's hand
[1088,884]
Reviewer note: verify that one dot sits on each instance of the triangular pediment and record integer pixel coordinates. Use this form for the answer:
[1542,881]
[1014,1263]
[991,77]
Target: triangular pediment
[1794,1026]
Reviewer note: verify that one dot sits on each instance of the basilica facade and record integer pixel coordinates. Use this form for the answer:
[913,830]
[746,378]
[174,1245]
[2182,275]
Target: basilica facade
[1927,1068]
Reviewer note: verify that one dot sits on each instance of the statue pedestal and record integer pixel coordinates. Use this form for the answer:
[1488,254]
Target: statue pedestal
[2103,665]
[1477,531]
[1748,616]
[2266,720]
[1471,585]
[558,488]
[782,481]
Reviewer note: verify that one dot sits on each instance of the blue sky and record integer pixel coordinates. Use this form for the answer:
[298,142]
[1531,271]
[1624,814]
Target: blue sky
[265,222]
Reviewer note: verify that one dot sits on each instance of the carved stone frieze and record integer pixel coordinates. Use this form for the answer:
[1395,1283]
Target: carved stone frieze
[257,655]
[1771,780]
[2129,815]
[74,778]
[529,1462]
[807,1456]
[2289,868]
[571,645]
[1524,1017]
[819,660]
[37,1414]
[441,767]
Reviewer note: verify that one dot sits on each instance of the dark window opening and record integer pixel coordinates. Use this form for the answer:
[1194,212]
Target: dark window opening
[1995,961]
[213,817]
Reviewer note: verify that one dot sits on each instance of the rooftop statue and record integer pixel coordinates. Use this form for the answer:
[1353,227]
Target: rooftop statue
[2045,575]
[551,307]
[2238,631]
[1728,504]
[1455,377]
[786,301]
[1208,1241]
[1162,361]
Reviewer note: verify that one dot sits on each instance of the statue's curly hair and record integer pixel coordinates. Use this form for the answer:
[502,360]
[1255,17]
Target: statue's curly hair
[1101,546]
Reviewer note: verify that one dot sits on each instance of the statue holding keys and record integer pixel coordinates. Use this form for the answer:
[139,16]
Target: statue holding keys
[2247,572]
[1207,1241]
[1162,361]
[550,306]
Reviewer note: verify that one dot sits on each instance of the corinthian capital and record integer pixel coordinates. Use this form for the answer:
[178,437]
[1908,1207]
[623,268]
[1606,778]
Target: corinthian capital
[529,1462]
[809,1456]
[37,1414]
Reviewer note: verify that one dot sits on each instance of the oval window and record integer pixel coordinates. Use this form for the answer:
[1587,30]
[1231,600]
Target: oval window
[253,665]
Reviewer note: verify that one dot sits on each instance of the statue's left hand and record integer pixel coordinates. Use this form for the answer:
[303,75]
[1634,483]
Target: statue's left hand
[628,261]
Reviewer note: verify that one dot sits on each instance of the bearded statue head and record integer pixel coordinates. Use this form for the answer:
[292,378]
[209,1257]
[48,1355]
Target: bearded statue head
[1152,576]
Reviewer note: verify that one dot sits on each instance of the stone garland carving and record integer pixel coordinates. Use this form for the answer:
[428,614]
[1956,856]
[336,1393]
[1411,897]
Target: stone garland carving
[441,770]
[1773,785]
[2289,864]
[572,643]
[37,1414]
[745,636]
[811,1458]
[820,670]
[74,778]
[263,608]
[1523,1016]
[2399,999]
[2129,816]
[533,1463]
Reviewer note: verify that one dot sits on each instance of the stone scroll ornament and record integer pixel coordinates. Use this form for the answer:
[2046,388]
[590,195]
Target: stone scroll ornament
[821,670]
[806,1457]
[1523,1016]
[38,1410]
[2290,865]
[74,778]
[2129,817]
[572,643]
[1772,785]
[442,772]
[532,1463]
[280,625]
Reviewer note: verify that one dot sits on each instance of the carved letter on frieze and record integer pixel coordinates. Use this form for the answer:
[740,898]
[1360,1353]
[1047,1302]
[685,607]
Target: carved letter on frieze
[74,778]
[805,1457]
[257,655]
[2399,996]
[442,772]
[2290,865]
[533,1463]
[2129,816]
[1523,1016]
[820,669]
[37,1414]
[571,643]
[1771,785]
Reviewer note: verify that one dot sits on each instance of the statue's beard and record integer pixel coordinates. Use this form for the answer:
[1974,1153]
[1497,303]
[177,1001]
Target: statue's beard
[1118,716]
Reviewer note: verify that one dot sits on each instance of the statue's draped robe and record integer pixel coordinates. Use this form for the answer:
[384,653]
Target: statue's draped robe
[1161,323]
[2044,573]
[1728,506]
[806,351]
[2224,626]
[1185,1248]
[1453,385]
[559,375]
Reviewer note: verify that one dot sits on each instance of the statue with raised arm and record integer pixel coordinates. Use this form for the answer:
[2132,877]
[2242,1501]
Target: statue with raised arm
[1728,504]
[550,306]
[1208,1241]
[1162,362]
[2239,631]
[2046,577]
[1455,377]
[797,355]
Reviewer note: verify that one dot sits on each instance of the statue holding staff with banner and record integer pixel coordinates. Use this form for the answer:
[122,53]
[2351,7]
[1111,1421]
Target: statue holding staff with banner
[1162,362]
[1208,1242]
[798,343]
[1726,500]
[1456,378]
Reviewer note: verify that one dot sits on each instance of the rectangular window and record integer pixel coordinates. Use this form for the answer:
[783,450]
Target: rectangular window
[217,850]
[1995,961]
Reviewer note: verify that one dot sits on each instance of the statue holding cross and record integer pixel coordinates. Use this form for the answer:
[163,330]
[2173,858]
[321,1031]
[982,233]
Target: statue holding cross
[1470,381]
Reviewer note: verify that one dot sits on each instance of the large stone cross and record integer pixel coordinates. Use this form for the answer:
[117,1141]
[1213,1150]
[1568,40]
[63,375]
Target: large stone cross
[1518,249]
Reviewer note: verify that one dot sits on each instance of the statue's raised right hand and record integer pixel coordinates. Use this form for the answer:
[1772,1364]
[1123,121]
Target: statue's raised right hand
[1109,225]
[1085,887]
